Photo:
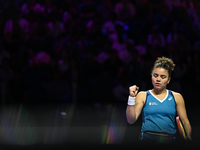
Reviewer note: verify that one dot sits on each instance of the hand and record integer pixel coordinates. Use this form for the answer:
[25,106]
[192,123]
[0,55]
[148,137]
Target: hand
[133,90]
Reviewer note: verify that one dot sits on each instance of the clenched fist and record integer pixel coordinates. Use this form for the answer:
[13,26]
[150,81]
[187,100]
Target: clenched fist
[133,90]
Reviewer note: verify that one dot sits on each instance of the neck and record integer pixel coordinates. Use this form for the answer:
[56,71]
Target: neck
[159,92]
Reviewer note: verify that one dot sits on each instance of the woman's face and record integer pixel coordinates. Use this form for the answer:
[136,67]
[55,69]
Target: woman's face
[160,78]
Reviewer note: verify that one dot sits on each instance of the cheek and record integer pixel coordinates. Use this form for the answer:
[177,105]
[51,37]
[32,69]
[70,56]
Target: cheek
[153,79]
[166,81]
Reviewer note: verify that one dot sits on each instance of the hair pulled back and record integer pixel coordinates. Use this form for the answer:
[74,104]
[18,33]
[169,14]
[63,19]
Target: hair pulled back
[165,63]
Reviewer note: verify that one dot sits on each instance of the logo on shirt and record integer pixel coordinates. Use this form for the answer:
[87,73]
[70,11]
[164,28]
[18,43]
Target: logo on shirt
[170,98]
[153,103]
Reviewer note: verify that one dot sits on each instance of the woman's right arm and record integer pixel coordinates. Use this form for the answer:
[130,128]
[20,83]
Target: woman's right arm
[134,111]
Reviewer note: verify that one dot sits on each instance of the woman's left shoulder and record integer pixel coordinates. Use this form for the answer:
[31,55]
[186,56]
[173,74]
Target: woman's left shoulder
[175,93]
[177,96]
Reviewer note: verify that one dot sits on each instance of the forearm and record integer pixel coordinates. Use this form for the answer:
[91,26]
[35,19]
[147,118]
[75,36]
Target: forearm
[135,104]
[130,114]
[188,129]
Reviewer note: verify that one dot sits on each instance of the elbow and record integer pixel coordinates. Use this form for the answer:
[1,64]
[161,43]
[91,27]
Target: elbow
[130,116]
[131,121]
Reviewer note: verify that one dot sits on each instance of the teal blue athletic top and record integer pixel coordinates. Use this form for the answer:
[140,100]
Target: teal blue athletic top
[159,116]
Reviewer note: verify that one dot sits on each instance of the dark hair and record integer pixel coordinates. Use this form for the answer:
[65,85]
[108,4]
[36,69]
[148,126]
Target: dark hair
[165,63]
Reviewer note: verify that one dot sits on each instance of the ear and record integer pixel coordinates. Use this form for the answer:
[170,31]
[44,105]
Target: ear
[168,80]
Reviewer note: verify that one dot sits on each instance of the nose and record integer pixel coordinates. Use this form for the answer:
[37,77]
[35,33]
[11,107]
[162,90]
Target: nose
[158,79]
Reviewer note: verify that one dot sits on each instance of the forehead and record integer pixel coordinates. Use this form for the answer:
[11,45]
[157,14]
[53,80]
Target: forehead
[160,71]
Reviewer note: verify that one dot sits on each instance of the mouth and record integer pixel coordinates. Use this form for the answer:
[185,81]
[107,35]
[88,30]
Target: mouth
[157,84]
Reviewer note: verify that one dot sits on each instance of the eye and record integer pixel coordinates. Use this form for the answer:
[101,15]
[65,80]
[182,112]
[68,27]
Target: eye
[155,75]
[163,76]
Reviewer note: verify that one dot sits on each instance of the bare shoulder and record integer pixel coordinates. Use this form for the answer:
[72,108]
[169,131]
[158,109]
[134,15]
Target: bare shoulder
[176,94]
[142,96]
[178,97]
[142,93]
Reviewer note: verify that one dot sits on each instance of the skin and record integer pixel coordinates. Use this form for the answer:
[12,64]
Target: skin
[160,79]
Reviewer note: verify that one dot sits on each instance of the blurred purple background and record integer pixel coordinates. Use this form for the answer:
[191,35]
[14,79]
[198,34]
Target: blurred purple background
[91,51]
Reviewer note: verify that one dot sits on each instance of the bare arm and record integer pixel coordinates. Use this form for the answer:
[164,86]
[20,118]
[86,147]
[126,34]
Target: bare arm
[134,111]
[181,110]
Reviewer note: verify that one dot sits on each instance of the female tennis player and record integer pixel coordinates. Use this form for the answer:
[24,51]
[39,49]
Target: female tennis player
[159,106]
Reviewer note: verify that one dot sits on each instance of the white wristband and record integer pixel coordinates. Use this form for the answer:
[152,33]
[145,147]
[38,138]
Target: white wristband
[131,101]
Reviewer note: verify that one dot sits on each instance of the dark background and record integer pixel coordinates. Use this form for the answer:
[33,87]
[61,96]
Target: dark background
[72,61]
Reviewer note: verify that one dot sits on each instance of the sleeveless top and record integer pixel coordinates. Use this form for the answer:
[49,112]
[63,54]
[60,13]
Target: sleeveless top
[159,116]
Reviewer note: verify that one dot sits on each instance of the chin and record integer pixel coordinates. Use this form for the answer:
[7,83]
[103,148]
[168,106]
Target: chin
[158,87]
